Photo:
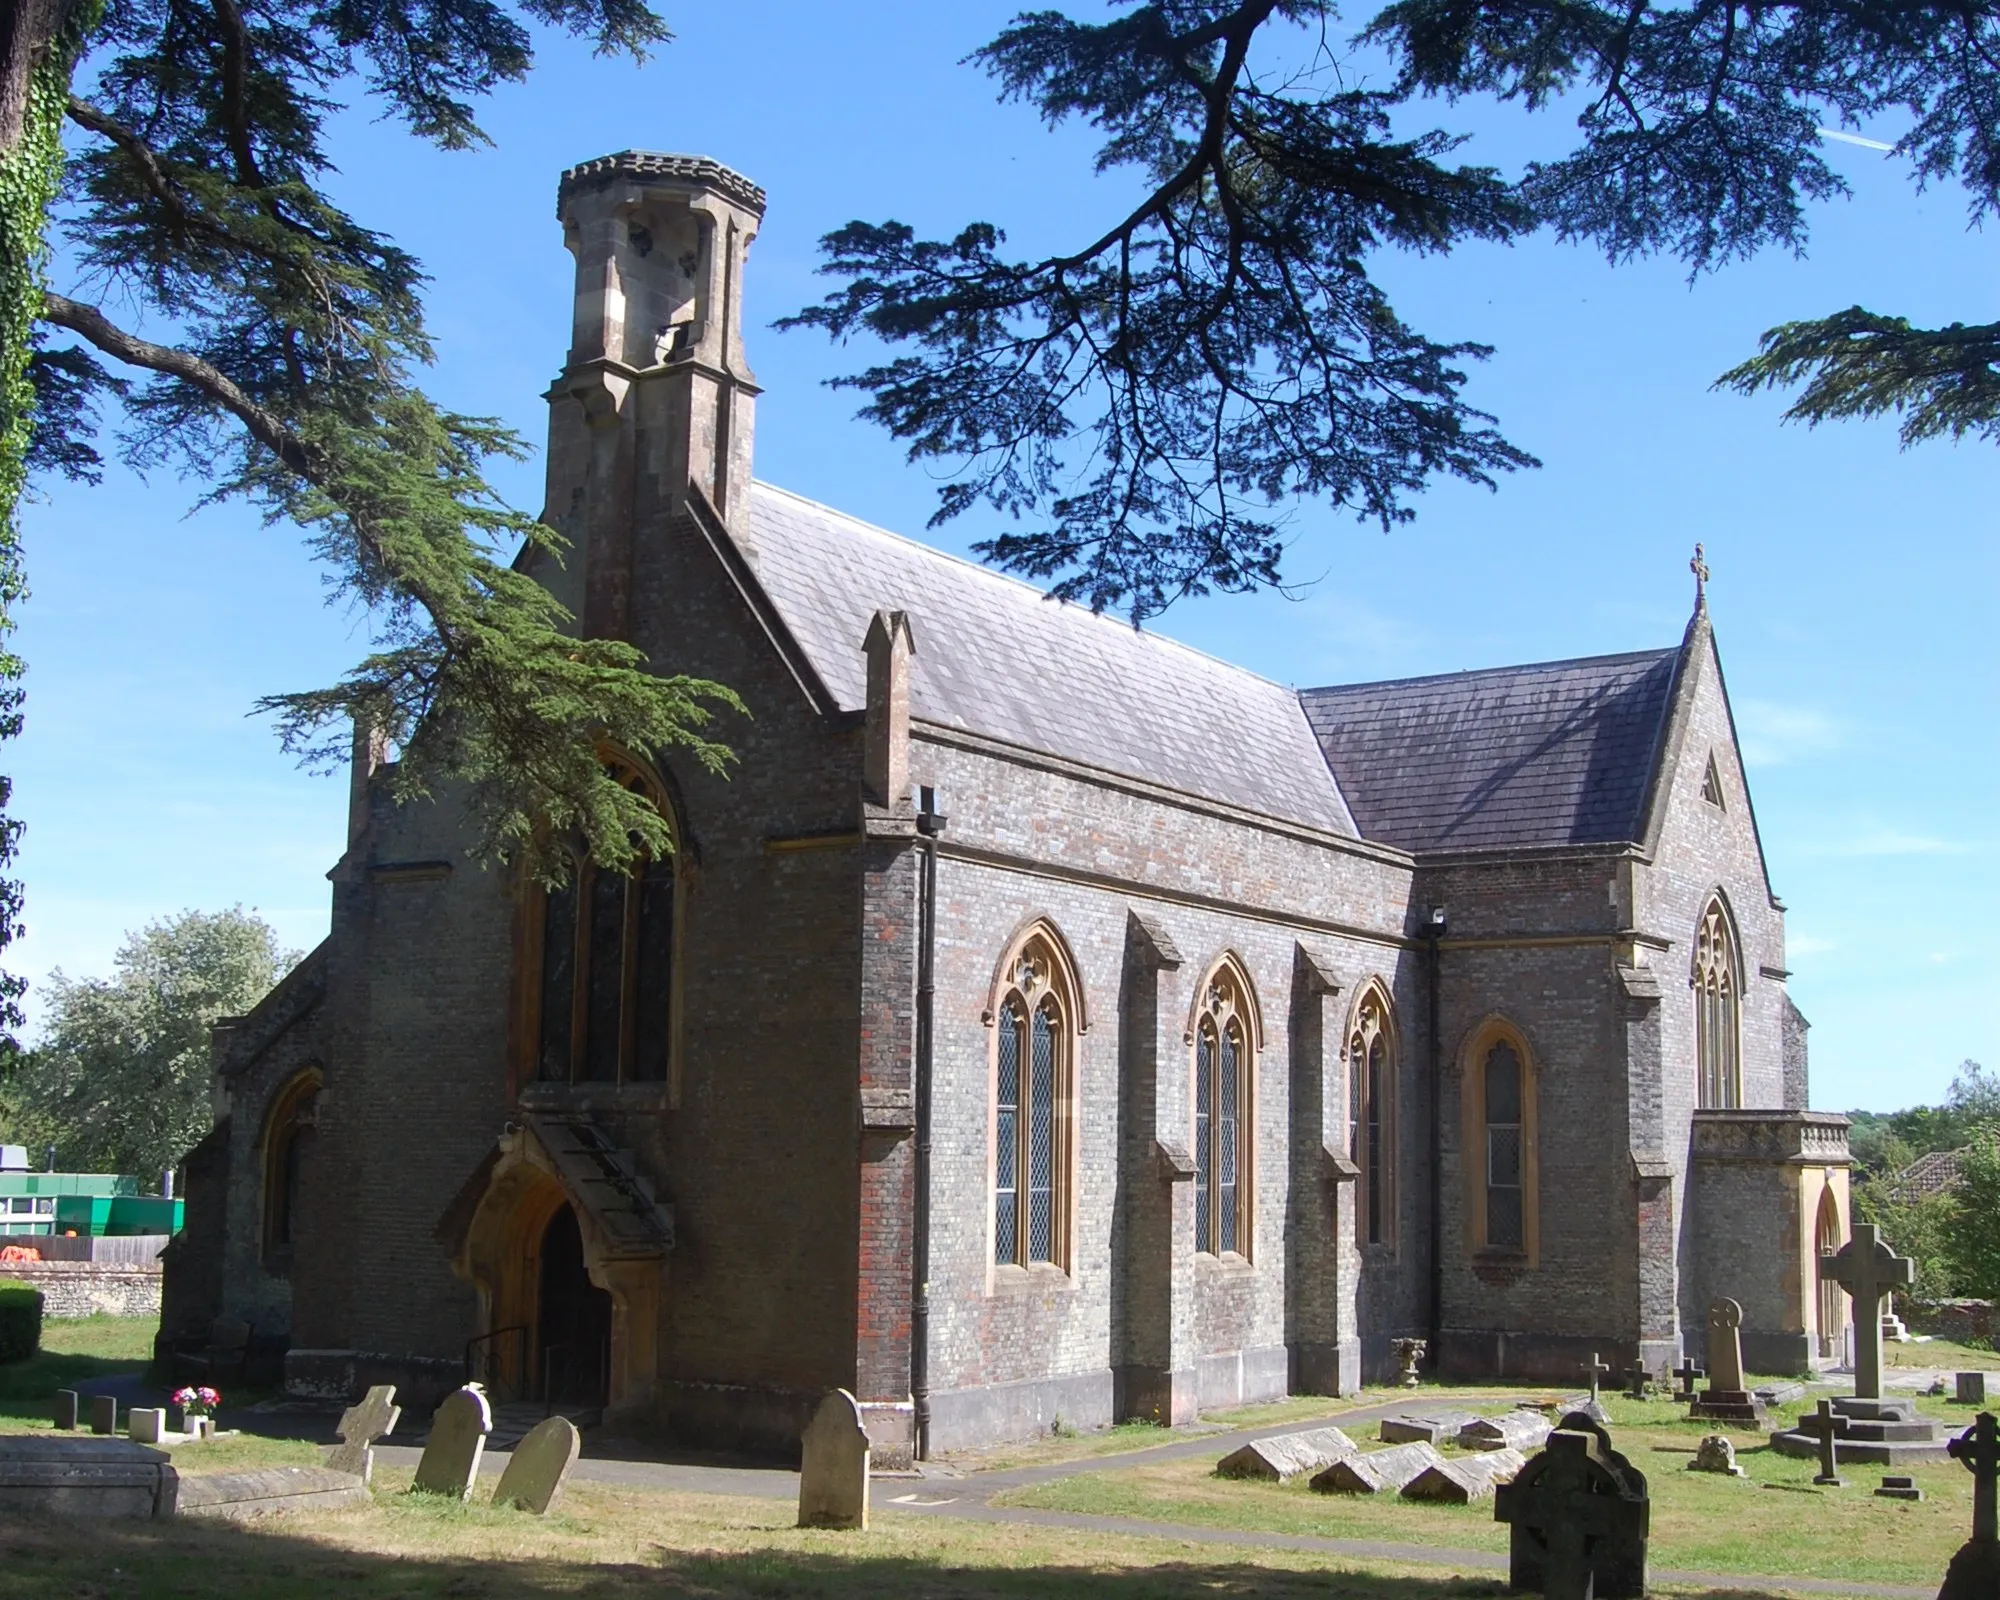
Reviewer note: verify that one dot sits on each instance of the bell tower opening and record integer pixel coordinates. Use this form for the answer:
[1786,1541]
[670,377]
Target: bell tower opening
[573,1320]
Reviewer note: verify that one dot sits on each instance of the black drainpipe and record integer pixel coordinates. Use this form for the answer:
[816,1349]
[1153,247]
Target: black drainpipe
[1435,924]
[930,823]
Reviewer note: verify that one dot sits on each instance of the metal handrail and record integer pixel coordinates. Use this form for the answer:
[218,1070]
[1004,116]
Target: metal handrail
[483,1338]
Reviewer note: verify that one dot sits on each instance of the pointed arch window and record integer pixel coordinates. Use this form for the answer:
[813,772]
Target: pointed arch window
[1718,1011]
[291,1119]
[1035,1020]
[1226,1039]
[1499,1093]
[1370,1054]
[601,1003]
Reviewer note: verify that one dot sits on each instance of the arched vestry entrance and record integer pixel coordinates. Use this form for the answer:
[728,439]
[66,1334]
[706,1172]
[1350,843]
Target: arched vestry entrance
[568,1248]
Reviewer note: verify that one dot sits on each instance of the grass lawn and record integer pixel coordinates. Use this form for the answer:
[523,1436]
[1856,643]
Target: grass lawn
[610,1544]
[75,1351]
[1940,1353]
[1772,1522]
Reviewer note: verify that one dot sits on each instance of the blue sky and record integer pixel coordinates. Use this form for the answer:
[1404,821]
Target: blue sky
[1853,593]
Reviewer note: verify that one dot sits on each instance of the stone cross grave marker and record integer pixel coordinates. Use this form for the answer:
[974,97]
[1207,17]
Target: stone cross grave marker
[66,1408]
[1974,1573]
[450,1463]
[1829,1455]
[539,1466]
[1638,1383]
[1596,1369]
[1688,1373]
[104,1413]
[833,1469]
[1867,1268]
[360,1427]
[1725,1345]
[1580,1519]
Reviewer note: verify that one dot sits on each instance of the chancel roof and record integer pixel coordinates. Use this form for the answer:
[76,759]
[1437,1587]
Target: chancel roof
[1561,752]
[996,657]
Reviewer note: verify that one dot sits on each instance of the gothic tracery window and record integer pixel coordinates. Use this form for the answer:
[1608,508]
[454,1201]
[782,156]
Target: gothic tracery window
[606,981]
[1225,1043]
[1033,1099]
[1371,1113]
[1718,1022]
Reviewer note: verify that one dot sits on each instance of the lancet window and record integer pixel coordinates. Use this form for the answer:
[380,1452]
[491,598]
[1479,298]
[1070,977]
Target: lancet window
[1225,1045]
[1498,1090]
[291,1116]
[1370,1055]
[1034,1095]
[1718,1020]
[605,993]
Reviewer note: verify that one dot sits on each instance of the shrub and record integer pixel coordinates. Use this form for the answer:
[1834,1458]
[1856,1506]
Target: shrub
[20,1320]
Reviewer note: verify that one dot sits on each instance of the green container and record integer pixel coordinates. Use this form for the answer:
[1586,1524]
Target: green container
[86,1215]
[144,1214]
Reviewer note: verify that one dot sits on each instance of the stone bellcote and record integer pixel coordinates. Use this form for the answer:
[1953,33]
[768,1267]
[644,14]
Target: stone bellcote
[656,394]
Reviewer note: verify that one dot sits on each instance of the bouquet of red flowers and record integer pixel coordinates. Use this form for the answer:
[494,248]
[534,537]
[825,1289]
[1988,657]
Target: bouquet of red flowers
[198,1402]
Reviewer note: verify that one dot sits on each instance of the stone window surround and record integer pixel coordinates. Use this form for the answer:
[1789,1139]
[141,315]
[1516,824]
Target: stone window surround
[1225,993]
[530,929]
[1037,957]
[293,1109]
[1490,1031]
[1371,1018]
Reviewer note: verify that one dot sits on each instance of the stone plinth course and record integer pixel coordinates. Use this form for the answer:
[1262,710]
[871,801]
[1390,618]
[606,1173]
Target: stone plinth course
[1377,1471]
[1286,1455]
[1460,1480]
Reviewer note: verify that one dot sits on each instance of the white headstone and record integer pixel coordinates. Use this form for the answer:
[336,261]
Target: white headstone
[539,1466]
[146,1426]
[833,1467]
[450,1461]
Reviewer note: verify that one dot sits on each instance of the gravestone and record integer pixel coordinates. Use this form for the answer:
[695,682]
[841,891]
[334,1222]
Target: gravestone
[1829,1449]
[1517,1430]
[1971,1389]
[104,1413]
[539,1466]
[1974,1573]
[1638,1383]
[833,1469]
[145,1425]
[1781,1393]
[1379,1471]
[1596,1369]
[360,1426]
[262,1491]
[1725,1399]
[1716,1454]
[82,1478]
[1579,1516]
[450,1462]
[1284,1457]
[1867,1269]
[1899,1488]
[1434,1428]
[66,1407]
[1460,1480]
[1688,1372]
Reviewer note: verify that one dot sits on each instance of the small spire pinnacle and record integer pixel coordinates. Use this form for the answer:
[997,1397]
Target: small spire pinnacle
[1699,567]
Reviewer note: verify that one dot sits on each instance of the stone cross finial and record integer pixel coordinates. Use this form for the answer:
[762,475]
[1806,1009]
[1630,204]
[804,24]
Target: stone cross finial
[1596,1369]
[1699,567]
[1829,1455]
[1979,1448]
[1867,1268]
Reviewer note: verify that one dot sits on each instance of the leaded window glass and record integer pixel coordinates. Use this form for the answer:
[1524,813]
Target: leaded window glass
[1032,1097]
[1504,1153]
[1717,1012]
[605,995]
[1222,1117]
[1371,1097]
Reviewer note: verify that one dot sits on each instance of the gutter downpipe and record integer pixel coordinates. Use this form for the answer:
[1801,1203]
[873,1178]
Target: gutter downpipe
[930,823]
[1435,925]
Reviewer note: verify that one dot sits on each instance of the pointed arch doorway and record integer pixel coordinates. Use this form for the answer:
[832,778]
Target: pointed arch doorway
[572,1321]
[1828,1236]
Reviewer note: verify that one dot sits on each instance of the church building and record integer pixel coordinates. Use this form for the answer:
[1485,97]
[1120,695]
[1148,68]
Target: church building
[1043,1021]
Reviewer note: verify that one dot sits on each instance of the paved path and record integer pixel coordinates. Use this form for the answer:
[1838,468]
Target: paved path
[970,1497]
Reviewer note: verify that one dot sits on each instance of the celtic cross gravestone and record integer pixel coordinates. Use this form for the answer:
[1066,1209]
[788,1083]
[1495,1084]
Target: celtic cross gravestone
[1867,1269]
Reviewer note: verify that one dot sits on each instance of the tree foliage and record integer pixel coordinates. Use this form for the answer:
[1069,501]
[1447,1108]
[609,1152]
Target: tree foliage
[197,196]
[120,1080]
[1952,1234]
[1147,401]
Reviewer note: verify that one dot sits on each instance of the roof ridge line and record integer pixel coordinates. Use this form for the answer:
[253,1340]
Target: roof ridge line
[1657,654]
[1021,583]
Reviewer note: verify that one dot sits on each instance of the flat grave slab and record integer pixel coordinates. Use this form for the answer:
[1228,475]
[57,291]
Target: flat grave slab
[1430,1427]
[82,1477]
[273,1489]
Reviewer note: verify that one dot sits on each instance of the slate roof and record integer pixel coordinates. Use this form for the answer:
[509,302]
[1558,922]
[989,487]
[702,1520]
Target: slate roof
[996,657]
[1556,753]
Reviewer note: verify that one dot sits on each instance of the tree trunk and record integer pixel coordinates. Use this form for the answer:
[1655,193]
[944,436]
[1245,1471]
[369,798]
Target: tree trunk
[29,30]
